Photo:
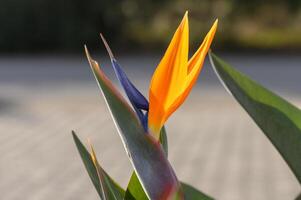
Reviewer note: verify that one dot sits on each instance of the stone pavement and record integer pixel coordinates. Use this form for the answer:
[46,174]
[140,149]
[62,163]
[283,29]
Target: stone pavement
[214,145]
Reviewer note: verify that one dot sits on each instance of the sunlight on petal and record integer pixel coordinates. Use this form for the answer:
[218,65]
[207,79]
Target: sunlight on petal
[175,75]
[169,76]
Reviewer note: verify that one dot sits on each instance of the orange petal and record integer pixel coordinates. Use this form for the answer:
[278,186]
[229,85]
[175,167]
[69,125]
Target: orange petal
[195,65]
[175,75]
[169,78]
[196,62]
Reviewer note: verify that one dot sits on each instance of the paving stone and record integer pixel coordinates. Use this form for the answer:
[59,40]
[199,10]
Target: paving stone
[213,145]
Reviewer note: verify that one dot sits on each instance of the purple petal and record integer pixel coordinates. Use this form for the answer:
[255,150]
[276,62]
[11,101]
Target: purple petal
[138,101]
[135,97]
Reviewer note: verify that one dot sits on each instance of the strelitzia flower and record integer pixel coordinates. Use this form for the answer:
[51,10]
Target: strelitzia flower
[175,75]
[172,80]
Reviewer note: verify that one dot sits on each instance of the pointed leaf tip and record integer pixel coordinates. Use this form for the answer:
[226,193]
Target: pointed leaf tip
[138,101]
[107,46]
[89,165]
[92,153]
[106,187]
[90,60]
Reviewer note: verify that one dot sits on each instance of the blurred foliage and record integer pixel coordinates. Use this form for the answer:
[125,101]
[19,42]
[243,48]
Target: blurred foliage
[65,25]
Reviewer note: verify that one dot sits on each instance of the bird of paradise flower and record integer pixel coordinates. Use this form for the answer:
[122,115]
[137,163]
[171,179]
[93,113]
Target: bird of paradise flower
[171,82]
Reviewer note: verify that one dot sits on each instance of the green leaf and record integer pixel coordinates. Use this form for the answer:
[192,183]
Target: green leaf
[134,189]
[110,189]
[277,118]
[163,140]
[146,155]
[191,193]
[106,187]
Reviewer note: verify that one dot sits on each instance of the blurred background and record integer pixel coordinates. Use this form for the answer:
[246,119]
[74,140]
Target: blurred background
[63,26]
[47,90]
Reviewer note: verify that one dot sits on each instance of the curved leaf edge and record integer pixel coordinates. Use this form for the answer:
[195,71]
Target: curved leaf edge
[290,147]
[105,186]
[117,105]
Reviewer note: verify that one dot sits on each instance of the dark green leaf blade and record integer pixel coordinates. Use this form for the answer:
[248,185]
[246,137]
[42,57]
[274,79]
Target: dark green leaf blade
[134,190]
[89,165]
[277,118]
[111,190]
[146,155]
[191,193]
[163,140]
[104,184]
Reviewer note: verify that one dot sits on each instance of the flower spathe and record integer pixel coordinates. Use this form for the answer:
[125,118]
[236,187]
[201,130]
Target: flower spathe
[175,75]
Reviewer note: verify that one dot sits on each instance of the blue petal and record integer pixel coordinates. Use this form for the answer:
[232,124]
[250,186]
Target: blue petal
[144,121]
[135,97]
[138,101]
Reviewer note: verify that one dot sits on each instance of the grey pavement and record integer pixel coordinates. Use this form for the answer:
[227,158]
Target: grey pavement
[214,145]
